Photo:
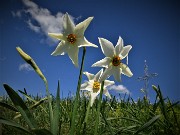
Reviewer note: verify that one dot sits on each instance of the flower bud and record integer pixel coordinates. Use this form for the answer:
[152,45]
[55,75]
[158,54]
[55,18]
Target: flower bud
[30,61]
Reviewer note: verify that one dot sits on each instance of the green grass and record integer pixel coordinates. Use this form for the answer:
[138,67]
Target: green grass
[117,116]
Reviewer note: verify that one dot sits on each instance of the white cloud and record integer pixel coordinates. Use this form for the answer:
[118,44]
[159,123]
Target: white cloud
[33,27]
[42,21]
[17,14]
[119,89]
[25,67]
[46,21]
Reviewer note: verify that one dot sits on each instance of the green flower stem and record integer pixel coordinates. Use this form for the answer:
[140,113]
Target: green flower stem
[87,112]
[77,95]
[50,105]
[98,110]
[86,117]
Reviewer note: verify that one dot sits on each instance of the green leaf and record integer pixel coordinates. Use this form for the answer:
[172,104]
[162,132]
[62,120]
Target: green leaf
[37,103]
[27,96]
[130,119]
[20,105]
[55,127]
[32,107]
[130,127]
[126,130]
[172,105]
[125,118]
[14,124]
[10,107]
[107,123]
[162,101]
[148,124]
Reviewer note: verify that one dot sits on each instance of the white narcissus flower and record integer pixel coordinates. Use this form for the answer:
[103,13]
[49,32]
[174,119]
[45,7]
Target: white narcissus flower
[113,60]
[93,85]
[72,38]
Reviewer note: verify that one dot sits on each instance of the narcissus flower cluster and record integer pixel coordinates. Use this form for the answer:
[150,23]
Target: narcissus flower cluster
[72,38]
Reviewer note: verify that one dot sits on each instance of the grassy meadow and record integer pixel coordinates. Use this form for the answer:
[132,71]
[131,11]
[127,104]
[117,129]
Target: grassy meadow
[118,116]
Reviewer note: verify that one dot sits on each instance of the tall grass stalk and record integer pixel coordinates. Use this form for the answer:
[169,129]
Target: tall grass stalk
[73,117]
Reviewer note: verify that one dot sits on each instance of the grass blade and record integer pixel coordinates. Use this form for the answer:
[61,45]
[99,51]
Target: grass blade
[148,124]
[106,122]
[32,107]
[162,102]
[125,130]
[36,102]
[10,107]
[172,105]
[14,124]
[20,105]
[27,96]
[55,127]
[130,119]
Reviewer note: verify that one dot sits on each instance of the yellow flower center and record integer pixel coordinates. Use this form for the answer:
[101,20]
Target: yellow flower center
[116,61]
[96,86]
[71,38]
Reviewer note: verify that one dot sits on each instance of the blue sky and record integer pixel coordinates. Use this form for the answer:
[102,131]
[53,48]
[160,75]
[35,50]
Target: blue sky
[151,27]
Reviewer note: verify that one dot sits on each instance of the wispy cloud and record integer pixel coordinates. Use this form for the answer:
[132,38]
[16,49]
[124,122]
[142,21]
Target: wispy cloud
[42,21]
[25,67]
[17,14]
[36,29]
[119,89]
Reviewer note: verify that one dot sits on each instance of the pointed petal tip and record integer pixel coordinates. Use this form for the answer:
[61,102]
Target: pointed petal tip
[120,37]
[130,46]
[53,35]
[66,13]
[76,65]
[95,46]
[99,38]
[49,34]
[90,18]
[130,75]
[52,53]
[94,65]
